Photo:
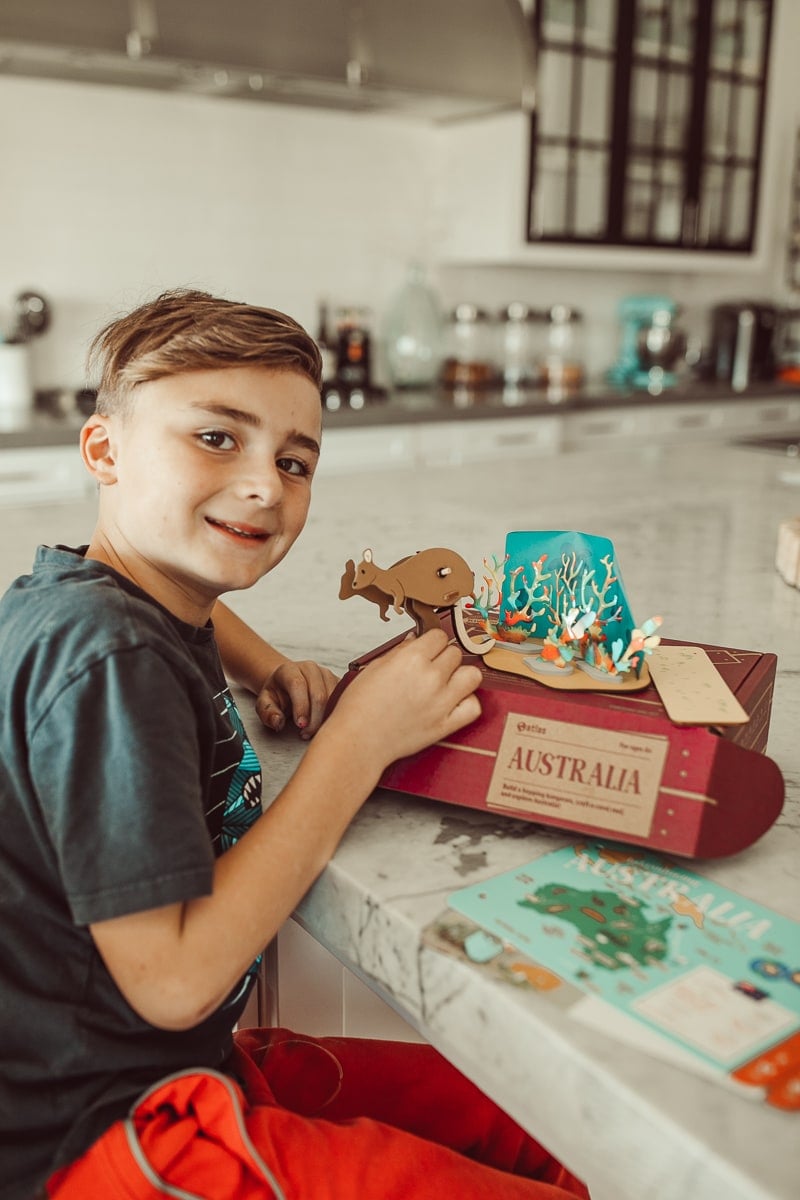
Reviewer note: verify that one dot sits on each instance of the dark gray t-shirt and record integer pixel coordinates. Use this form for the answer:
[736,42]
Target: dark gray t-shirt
[124,770]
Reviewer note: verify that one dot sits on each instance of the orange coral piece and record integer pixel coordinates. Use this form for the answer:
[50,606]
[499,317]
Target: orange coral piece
[551,653]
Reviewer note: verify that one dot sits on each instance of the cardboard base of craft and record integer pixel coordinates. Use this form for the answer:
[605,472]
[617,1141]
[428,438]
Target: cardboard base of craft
[610,765]
[513,662]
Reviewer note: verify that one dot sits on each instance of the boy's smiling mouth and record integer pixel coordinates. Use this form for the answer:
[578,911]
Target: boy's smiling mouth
[247,532]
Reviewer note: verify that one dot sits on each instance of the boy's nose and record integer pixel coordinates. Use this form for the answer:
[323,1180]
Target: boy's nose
[262,482]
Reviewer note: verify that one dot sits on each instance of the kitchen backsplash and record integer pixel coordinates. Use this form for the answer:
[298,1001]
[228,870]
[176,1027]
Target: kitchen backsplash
[111,195]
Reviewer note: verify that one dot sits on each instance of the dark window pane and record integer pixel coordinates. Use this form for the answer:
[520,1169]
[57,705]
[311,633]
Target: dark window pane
[756,17]
[601,23]
[644,106]
[718,131]
[591,186]
[548,215]
[596,95]
[745,131]
[679,98]
[668,207]
[555,93]
[739,206]
[638,198]
[560,19]
[712,189]
[725,34]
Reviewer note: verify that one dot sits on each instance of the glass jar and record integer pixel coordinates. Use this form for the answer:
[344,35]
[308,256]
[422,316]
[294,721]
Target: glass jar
[413,332]
[522,332]
[562,362]
[470,359]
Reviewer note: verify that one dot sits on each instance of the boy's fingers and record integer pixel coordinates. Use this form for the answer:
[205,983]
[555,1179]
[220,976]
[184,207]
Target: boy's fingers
[466,711]
[269,711]
[471,676]
[298,692]
[434,642]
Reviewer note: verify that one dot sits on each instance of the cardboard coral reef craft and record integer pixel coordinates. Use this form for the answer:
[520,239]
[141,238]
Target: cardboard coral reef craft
[669,756]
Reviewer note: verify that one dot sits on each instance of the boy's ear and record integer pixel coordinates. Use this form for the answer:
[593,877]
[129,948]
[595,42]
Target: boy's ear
[98,449]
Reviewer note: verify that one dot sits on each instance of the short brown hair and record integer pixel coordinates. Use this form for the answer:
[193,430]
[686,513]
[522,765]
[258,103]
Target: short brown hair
[186,330]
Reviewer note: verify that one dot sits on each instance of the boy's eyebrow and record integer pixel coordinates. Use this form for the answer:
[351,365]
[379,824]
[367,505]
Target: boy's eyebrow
[302,439]
[253,419]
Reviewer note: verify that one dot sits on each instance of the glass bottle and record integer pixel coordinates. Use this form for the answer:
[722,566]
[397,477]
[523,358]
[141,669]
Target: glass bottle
[413,332]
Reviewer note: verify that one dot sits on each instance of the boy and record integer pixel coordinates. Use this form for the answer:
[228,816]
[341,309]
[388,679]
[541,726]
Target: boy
[140,880]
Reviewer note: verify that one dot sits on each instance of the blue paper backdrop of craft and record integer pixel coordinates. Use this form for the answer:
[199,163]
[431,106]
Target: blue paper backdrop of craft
[574,569]
[711,971]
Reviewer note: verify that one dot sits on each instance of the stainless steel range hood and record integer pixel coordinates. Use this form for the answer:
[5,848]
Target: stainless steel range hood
[433,59]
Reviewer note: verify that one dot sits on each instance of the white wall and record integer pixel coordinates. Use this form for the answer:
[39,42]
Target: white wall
[108,195]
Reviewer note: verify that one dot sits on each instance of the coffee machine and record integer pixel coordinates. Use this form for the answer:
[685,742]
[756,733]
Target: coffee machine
[651,344]
[742,344]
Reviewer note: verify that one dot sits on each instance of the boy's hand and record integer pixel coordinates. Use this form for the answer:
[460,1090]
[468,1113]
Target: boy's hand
[295,691]
[410,697]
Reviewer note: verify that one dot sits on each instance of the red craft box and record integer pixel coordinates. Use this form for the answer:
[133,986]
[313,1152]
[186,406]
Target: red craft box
[609,765]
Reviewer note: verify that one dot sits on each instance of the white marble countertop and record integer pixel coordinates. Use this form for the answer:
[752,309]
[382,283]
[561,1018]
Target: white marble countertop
[695,532]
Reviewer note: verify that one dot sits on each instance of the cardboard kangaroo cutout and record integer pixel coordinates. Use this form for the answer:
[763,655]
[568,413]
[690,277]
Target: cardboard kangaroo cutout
[424,585]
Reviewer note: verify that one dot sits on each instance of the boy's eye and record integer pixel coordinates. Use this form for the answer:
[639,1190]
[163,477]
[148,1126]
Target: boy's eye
[293,466]
[217,439]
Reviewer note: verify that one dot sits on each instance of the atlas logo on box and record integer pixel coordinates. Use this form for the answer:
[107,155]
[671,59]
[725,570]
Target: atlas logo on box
[526,727]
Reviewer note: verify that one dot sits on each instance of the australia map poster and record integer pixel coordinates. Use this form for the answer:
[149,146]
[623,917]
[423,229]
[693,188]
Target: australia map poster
[656,953]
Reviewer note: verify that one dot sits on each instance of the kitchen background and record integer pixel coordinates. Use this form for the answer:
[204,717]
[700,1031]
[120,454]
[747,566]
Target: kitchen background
[109,194]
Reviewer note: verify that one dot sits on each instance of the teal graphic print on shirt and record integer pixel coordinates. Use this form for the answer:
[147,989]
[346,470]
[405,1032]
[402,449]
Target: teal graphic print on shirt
[243,802]
[237,762]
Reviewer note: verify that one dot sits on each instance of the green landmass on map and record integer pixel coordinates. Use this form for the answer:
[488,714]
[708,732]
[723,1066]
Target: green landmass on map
[613,930]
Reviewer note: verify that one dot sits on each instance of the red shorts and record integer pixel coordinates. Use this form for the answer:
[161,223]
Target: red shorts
[317,1119]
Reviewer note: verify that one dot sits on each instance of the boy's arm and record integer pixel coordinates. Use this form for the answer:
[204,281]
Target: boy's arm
[176,965]
[282,687]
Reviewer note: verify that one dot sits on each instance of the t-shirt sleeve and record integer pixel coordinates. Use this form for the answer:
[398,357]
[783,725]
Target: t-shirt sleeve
[116,763]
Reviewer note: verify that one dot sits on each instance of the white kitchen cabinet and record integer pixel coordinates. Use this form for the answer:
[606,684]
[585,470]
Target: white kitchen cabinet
[448,443]
[438,443]
[587,430]
[662,422]
[685,422]
[366,449]
[494,440]
[722,421]
[41,475]
[763,417]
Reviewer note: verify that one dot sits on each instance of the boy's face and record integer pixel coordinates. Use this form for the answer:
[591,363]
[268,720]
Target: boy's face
[206,482]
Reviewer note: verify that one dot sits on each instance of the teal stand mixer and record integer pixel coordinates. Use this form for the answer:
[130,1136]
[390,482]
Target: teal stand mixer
[651,344]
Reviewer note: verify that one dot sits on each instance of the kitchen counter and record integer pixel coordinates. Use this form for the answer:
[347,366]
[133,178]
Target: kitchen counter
[695,530]
[420,406]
